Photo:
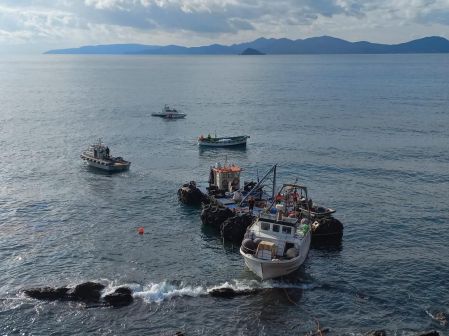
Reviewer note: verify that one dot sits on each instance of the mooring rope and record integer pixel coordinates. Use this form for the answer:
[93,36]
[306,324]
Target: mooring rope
[319,331]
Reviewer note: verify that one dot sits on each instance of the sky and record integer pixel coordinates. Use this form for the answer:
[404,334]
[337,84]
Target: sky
[33,26]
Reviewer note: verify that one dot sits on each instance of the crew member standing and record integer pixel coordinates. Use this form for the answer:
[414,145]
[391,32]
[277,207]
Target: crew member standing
[251,203]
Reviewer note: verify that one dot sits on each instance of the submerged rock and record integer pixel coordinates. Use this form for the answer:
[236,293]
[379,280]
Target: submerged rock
[227,292]
[377,333]
[430,333]
[122,296]
[47,293]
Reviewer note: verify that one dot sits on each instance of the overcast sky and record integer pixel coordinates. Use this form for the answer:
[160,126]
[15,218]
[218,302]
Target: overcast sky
[38,25]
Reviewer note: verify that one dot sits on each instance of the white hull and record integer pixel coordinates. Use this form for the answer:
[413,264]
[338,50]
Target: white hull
[105,165]
[269,269]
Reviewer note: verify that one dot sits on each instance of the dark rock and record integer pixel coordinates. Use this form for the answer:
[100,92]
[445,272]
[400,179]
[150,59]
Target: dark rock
[329,228]
[47,293]
[87,292]
[214,215]
[227,292]
[122,296]
[377,333]
[189,194]
[233,229]
[430,333]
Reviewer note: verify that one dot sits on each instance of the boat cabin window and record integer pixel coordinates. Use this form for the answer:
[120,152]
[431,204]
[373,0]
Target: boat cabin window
[286,229]
[265,226]
[275,228]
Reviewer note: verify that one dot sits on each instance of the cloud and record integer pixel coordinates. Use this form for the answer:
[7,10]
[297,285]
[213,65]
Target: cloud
[190,22]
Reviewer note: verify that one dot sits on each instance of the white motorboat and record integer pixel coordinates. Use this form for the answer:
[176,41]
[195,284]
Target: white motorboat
[98,156]
[223,141]
[278,242]
[169,113]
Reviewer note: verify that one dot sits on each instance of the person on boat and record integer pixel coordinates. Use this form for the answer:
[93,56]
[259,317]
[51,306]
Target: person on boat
[251,203]
[278,198]
[295,197]
[208,136]
[237,196]
[107,152]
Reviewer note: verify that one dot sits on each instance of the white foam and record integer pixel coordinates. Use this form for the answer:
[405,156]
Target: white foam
[158,292]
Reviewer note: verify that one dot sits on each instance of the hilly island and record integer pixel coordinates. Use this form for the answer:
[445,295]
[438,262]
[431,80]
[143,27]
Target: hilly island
[273,46]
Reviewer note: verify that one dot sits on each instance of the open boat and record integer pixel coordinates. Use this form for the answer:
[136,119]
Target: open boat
[98,155]
[169,113]
[277,243]
[223,141]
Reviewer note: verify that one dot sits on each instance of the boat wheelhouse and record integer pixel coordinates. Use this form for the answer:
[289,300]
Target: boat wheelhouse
[224,178]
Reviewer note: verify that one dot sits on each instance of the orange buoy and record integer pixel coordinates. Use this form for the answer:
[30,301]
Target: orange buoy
[141,230]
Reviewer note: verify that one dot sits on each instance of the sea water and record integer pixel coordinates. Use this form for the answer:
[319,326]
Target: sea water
[367,134]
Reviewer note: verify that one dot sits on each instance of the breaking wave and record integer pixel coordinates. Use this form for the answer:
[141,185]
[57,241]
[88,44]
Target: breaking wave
[159,292]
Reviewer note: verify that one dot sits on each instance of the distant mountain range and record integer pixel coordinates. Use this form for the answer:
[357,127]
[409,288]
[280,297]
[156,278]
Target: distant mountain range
[282,46]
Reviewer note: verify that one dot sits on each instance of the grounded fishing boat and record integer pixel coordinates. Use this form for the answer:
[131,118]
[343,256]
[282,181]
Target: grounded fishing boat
[169,113]
[278,242]
[223,141]
[98,156]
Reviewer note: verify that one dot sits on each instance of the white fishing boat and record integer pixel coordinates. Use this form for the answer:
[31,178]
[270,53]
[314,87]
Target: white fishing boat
[278,242]
[169,113]
[98,156]
[215,141]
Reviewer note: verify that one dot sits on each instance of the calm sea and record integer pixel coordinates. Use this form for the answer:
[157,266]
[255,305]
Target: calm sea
[368,134]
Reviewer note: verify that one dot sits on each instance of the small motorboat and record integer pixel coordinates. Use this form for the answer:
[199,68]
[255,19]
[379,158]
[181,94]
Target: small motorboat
[215,141]
[98,156]
[278,242]
[169,113]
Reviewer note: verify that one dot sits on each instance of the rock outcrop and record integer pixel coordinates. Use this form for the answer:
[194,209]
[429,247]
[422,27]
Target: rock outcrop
[214,215]
[233,229]
[189,194]
[87,292]
[328,228]
[122,296]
